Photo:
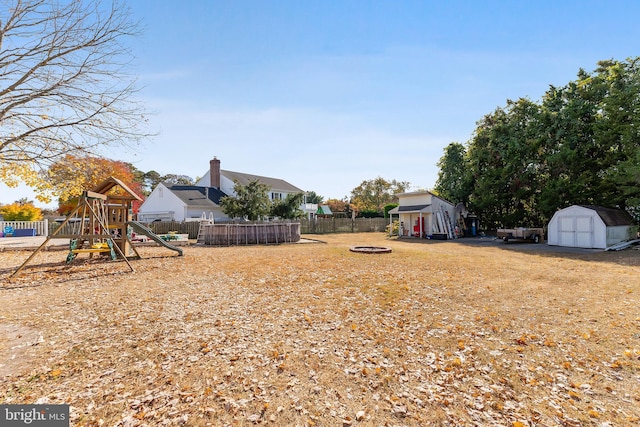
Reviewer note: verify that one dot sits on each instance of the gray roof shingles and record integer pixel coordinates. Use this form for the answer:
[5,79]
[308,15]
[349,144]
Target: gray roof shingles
[611,217]
[192,195]
[274,183]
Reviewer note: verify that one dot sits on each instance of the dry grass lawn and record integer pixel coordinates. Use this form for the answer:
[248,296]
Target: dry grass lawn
[434,333]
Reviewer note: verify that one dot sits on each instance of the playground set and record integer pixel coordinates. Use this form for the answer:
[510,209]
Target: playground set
[101,224]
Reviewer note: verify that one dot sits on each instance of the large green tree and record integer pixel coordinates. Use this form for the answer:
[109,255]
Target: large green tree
[453,176]
[592,139]
[579,145]
[312,197]
[289,207]
[250,202]
[503,165]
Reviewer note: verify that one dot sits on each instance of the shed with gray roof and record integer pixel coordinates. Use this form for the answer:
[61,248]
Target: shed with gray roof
[587,226]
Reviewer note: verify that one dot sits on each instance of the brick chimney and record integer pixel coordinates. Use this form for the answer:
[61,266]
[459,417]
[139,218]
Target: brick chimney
[214,172]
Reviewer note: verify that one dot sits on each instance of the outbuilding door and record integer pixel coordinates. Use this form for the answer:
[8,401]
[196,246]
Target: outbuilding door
[576,231]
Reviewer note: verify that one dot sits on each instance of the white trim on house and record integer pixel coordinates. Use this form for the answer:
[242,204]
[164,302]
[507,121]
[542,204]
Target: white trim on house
[418,214]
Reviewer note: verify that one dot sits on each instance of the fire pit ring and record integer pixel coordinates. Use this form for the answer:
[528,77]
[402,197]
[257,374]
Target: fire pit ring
[370,249]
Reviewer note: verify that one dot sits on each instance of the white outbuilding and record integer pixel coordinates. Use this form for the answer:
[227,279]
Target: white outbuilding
[585,226]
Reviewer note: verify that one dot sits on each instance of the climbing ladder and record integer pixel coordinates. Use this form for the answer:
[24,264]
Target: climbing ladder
[201,233]
[203,226]
[448,224]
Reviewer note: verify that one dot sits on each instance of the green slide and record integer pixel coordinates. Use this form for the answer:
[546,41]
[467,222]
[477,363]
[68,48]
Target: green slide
[142,229]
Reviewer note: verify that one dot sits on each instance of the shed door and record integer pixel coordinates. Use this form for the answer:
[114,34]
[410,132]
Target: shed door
[576,231]
[584,232]
[567,231]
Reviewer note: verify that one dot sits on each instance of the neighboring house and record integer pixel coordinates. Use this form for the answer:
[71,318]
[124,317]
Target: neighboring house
[422,214]
[589,227]
[225,180]
[313,211]
[181,203]
[191,202]
[309,210]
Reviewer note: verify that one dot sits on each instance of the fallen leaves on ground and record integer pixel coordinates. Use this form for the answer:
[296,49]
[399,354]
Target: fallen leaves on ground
[313,334]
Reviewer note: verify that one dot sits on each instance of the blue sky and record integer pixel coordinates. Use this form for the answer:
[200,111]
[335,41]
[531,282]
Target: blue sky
[327,94]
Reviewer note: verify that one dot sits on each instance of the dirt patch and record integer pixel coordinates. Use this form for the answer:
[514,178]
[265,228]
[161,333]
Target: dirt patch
[430,334]
[16,353]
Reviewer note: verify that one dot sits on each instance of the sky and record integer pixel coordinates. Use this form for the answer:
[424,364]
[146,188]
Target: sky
[328,94]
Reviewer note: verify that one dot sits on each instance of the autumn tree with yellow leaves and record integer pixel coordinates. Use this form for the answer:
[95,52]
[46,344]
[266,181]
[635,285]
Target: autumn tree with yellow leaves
[20,211]
[72,175]
[66,85]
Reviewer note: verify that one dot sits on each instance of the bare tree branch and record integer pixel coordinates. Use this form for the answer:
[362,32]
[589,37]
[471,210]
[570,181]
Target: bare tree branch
[65,85]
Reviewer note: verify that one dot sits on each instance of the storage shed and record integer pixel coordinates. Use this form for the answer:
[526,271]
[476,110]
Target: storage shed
[425,215]
[585,226]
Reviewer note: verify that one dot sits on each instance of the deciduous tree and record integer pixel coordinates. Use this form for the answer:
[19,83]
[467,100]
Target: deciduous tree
[579,145]
[65,85]
[338,206]
[72,175]
[20,212]
[503,165]
[173,179]
[312,197]
[372,195]
[289,208]
[250,202]
[453,176]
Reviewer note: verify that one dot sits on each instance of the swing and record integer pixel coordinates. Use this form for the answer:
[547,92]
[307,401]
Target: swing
[91,226]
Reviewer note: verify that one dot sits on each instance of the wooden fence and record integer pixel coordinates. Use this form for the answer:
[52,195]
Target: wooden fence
[343,225]
[317,226]
[249,234]
[190,228]
[41,227]
[164,227]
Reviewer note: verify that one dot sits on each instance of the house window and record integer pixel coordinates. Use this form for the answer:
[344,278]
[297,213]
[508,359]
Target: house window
[276,196]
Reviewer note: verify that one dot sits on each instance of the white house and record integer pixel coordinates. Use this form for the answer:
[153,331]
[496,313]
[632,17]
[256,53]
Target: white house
[191,202]
[589,227]
[225,181]
[424,215]
[181,203]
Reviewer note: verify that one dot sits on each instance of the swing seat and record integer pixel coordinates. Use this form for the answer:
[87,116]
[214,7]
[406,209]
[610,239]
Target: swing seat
[90,250]
[95,248]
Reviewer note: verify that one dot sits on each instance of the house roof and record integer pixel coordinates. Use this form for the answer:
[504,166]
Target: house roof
[324,210]
[611,217]
[410,209]
[193,195]
[273,183]
[421,193]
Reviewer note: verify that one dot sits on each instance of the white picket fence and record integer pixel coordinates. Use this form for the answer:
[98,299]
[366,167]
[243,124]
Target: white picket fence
[41,227]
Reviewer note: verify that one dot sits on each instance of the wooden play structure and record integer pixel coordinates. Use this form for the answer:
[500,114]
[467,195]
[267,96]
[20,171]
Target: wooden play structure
[100,225]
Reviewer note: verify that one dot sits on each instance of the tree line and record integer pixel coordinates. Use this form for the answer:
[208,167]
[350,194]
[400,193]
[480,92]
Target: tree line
[579,145]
